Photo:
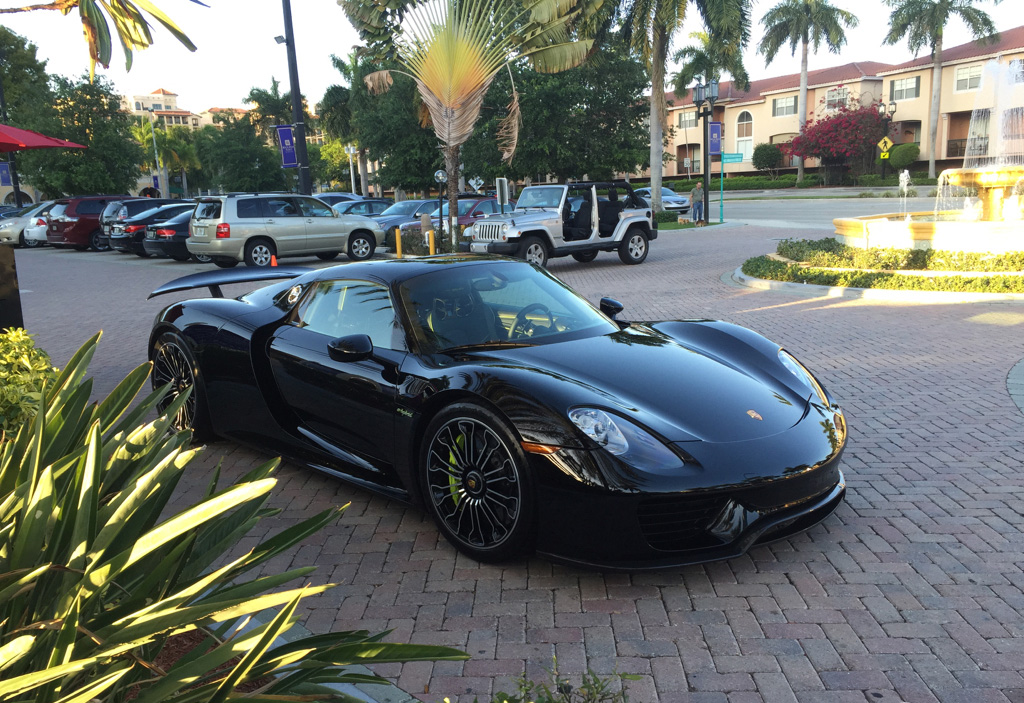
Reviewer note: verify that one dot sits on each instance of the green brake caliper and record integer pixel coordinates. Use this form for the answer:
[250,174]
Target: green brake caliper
[453,484]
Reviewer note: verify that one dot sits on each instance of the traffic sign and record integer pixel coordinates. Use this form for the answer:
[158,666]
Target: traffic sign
[885,144]
[885,155]
[732,157]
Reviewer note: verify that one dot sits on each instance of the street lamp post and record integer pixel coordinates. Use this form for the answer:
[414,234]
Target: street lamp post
[886,112]
[706,94]
[351,151]
[299,125]
[441,176]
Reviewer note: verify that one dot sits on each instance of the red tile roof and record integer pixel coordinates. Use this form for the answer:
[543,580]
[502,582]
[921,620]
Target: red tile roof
[1009,40]
[161,91]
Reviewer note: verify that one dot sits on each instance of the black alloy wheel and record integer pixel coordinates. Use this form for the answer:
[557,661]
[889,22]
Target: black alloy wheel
[476,483]
[96,242]
[173,364]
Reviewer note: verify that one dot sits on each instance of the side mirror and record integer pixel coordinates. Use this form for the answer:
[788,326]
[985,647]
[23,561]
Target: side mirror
[354,347]
[611,307]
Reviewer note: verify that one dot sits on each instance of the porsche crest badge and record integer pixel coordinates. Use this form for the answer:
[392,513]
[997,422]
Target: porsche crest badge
[754,415]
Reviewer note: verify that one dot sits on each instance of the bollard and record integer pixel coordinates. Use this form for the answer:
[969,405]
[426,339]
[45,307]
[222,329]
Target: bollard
[430,235]
[10,295]
[398,242]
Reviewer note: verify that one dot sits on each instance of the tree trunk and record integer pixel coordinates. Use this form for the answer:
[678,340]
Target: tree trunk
[364,180]
[451,167]
[659,55]
[184,184]
[933,118]
[801,108]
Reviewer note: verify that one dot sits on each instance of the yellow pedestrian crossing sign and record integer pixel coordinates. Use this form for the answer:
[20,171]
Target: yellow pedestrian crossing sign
[885,144]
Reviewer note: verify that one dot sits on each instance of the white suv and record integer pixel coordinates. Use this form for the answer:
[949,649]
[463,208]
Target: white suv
[255,227]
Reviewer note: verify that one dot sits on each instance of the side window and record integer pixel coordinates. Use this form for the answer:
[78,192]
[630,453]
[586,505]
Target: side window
[311,207]
[91,207]
[340,308]
[279,207]
[358,209]
[379,208]
[246,207]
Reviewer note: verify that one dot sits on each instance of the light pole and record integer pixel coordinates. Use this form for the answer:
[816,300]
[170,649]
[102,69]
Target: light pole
[156,154]
[299,125]
[351,151]
[706,94]
[441,176]
[886,112]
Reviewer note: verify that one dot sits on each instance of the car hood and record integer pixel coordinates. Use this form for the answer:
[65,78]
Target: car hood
[521,217]
[682,392]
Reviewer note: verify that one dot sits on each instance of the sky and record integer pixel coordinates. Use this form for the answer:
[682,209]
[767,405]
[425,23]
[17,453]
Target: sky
[236,48]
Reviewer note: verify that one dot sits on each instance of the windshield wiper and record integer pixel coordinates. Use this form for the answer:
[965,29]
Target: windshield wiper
[488,345]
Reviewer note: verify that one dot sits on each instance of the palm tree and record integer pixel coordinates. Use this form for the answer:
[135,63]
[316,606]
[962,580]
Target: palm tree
[453,49]
[922,23]
[271,107]
[708,58]
[649,26]
[130,24]
[807,23]
[335,111]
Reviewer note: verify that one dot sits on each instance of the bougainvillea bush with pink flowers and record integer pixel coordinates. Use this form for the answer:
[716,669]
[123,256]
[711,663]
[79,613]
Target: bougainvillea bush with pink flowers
[843,139]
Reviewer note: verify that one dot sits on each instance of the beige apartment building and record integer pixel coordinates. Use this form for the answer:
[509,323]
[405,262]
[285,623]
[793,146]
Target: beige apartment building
[768,112]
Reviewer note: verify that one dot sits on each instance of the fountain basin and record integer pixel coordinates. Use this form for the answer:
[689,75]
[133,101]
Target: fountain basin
[929,230]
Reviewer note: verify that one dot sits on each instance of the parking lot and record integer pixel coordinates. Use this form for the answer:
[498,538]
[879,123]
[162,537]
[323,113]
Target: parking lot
[911,591]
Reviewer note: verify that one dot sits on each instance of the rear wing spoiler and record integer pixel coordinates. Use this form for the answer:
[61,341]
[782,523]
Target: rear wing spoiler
[221,277]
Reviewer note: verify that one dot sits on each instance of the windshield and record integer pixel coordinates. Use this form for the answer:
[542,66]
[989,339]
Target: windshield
[464,207]
[667,191]
[496,304]
[406,207]
[540,196]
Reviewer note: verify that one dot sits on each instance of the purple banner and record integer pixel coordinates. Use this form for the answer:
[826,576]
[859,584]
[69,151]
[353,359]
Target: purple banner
[288,157]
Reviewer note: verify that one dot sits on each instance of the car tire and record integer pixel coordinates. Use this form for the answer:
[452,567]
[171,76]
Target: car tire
[28,243]
[585,257]
[327,255]
[361,246]
[95,241]
[534,250]
[201,259]
[259,253]
[173,363]
[225,263]
[634,246]
[497,492]
[143,254]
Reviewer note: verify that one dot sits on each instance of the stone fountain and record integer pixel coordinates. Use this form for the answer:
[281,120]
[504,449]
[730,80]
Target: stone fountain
[980,207]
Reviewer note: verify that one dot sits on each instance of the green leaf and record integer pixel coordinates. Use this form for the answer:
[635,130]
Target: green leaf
[15,650]
[120,399]
[163,19]
[91,691]
[33,532]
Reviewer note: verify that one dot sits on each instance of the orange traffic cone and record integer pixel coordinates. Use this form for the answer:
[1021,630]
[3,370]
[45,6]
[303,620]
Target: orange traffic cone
[273,260]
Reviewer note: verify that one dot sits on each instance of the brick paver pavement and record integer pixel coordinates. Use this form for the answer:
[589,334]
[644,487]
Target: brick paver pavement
[912,591]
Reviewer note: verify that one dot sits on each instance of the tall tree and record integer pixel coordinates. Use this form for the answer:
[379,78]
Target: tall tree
[336,108]
[922,23]
[130,24]
[26,83]
[649,26]
[709,58]
[243,161]
[805,23]
[89,114]
[270,108]
[453,49]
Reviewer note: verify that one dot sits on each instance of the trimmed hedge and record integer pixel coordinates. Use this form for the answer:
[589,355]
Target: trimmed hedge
[830,253]
[763,267]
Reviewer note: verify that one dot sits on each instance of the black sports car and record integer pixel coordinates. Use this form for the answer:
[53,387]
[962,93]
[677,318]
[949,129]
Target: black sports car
[522,417]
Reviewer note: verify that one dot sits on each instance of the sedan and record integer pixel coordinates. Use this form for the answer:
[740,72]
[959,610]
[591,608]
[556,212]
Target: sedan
[521,417]
[14,222]
[366,207]
[400,214]
[670,200]
[170,239]
[128,236]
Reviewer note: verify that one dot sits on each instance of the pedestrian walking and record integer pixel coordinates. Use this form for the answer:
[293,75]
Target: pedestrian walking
[697,202]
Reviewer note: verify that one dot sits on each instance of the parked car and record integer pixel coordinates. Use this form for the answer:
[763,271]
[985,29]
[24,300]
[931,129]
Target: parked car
[119,211]
[670,200]
[522,417]
[367,207]
[333,199]
[128,236]
[402,213]
[254,228]
[12,226]
[545,224]
[471,208]
[170,239]
[75,222]
[35,232]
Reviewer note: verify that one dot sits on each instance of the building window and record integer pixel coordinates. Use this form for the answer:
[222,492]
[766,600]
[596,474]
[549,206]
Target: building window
[138,105]
[835,98]
[745,135]
[784,106]
[687,119]
[968,78]
[195,121]
[158,106]
[905,88]
[1017,70]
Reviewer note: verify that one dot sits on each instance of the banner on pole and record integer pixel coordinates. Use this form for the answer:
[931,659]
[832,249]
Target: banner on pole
[5,174]
[289,159]
[715,138]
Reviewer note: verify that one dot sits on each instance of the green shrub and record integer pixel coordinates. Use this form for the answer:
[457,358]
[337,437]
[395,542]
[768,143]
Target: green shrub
[767,157]
[810,180]
[592,689]
[831,253]
[24,370]
[93,582]
[666,216]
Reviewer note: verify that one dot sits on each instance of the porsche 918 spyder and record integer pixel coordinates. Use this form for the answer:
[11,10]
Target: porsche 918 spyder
[523,418]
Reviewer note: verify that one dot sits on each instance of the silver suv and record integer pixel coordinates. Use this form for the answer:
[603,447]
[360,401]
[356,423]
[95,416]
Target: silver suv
[578,220]
[256,227]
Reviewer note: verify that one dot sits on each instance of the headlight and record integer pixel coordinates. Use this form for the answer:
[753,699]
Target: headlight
[805,376]
[622,438]
[6,225]
[476,228]
[504,228]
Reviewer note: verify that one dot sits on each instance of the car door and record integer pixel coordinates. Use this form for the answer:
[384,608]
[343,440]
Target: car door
[284,223]
[323,226]
[350,405]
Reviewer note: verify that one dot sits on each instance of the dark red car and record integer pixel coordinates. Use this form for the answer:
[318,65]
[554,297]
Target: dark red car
[75,222]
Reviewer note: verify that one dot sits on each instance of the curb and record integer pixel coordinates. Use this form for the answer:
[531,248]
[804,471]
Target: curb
[901,296]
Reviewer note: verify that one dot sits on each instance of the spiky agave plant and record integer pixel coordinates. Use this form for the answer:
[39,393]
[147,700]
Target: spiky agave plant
[453,49]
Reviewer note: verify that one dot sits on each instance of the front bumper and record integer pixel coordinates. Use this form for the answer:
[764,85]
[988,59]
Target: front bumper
[502,248]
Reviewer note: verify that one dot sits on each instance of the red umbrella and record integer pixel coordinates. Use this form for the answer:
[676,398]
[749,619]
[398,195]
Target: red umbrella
[14,139]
